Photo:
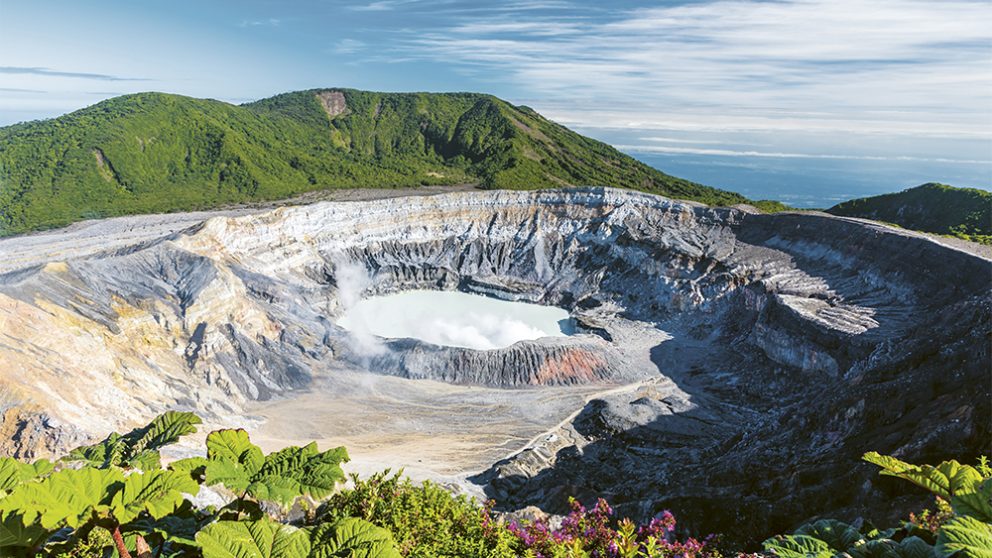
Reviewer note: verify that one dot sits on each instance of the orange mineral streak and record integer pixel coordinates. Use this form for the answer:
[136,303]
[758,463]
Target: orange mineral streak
[571,366]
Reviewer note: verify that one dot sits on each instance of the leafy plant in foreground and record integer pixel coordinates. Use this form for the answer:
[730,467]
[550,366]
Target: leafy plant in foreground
[350,537]
[114,498]
[965,530]
[426,520]
[118,487]
[138,448]
[281,477]
[80,500]
[14,472]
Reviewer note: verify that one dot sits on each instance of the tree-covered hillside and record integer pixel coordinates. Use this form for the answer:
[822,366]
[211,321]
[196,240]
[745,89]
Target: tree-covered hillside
[936,208]
[154,152]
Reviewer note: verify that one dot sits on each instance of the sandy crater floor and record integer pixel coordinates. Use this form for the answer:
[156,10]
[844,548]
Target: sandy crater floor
[434,430]
[431,429]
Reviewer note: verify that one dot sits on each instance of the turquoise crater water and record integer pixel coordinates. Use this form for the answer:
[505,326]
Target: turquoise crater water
[455,319]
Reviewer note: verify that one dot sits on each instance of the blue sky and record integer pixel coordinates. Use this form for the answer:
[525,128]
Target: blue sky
[803,82]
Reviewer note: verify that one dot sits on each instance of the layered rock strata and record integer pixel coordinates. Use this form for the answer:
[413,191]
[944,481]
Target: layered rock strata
[801,340]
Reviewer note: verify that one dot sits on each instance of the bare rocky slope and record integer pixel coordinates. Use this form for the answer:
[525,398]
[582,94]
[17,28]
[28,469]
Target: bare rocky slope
[796,341]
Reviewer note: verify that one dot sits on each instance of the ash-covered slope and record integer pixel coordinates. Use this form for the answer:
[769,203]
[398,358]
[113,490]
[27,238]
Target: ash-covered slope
[800,340]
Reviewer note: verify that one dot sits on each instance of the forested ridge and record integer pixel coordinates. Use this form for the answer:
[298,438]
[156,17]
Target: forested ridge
[156,152]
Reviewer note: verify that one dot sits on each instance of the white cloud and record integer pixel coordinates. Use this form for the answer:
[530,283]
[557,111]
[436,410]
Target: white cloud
[381,5]
[732,119]
[683,140]
[786,155]
[348,46]
[831,64]
[270,22]
[531,28]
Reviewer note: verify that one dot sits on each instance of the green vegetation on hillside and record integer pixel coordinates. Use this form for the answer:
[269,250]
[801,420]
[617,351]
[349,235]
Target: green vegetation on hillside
[936,208]
[154,152]
[114,498]
[959,526]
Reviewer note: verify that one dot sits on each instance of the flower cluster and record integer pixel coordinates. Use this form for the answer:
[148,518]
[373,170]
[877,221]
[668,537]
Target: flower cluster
[596,533]
[932,519]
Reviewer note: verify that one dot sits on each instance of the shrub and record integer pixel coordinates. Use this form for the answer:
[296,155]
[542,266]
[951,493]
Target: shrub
[114,497]
[596,533]
[961,526]
[426,520]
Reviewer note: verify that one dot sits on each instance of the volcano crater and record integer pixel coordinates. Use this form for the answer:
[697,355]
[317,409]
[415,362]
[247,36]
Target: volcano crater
[725,362]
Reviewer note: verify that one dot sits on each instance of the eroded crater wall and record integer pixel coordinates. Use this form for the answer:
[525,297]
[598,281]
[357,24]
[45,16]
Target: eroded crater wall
[801,340]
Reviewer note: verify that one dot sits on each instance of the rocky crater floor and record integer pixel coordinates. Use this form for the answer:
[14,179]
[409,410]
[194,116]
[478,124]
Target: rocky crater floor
[728,365]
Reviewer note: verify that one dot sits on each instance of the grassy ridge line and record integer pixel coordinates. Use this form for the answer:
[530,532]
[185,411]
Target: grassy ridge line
[156,152]
[936,208]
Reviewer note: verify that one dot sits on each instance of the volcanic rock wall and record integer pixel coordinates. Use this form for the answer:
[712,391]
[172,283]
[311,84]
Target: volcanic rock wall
[803,339]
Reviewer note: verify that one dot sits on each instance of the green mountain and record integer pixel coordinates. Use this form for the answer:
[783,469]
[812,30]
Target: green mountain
[935,208]
[154,152]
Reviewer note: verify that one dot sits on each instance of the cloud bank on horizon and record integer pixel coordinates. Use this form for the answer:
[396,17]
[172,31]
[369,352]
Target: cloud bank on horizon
[888,78]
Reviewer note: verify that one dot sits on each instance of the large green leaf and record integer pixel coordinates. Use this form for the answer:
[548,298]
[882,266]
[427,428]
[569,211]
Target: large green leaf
[288,459]
[910,547]
[977,504]
[256,539]
[275,489]
[103,454]
[915,547]
[178,528]
[229,473]
[839,536]
[352,538]
[16,532]
[139,447]
[967,536]
[68,497]
[317,473]
[797,546]
[945,480]
[322,472]
[280,477]
[235,446]
[155,492]
[163,430]
[14,472]
[195,467]
[148,460]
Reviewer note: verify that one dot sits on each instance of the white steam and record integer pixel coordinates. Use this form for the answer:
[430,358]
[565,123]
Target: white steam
[478,331]
[352,280]
[453,319]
